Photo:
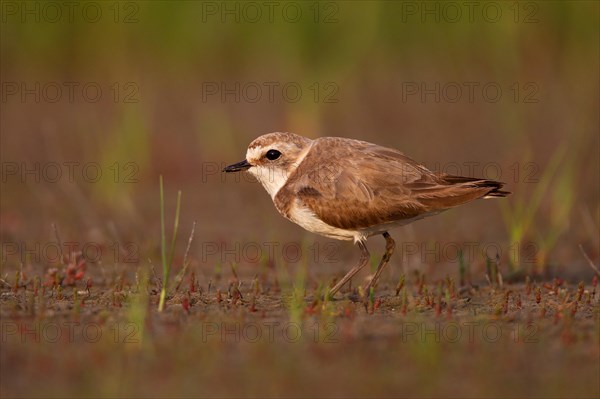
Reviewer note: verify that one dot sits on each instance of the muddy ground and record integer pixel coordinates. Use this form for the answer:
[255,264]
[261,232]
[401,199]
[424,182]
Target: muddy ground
[260,337]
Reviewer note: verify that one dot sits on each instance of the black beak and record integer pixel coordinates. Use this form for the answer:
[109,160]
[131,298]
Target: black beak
[237,167]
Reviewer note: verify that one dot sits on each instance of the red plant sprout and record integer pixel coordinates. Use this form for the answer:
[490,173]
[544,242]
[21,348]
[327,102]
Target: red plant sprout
[506,300]
[75,269]
[51,277]
[451,286]
[580,290]
[252,307]
[36,285]
[574,308]
[558,282]
[193,282]
[185,303]
[543,311]
[420,283]
[236,296]
[527,286]
[438,307]
[557,316]
[377,304]
[349,311]
[310,309]
[404,302]
[17,281]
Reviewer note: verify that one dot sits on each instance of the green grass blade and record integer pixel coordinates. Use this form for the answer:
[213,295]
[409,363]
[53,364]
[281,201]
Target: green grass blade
[175,229]
[163,247]
[166,263]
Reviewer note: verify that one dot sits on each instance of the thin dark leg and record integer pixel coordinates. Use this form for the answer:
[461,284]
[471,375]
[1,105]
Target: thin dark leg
[389,250]
[364,259]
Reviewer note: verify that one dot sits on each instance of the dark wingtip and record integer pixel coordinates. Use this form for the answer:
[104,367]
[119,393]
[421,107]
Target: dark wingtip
[497,194]
[494,186]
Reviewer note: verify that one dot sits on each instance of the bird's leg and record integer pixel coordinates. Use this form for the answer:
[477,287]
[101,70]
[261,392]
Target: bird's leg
[389,250]
[364,259]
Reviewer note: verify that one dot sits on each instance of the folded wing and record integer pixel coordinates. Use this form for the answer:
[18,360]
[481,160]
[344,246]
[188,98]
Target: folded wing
[352,184]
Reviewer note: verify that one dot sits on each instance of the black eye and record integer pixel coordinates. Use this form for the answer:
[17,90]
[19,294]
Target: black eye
[273,155]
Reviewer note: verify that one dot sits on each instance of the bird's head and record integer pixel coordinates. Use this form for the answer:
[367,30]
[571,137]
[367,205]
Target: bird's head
[272,157]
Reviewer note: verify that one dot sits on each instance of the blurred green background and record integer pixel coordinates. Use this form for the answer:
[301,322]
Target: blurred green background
[181,88]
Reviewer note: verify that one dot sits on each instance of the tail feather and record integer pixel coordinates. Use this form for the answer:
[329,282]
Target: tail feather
[451,191]
[493,185]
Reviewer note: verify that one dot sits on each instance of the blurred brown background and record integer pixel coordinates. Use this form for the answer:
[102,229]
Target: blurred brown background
[136,89]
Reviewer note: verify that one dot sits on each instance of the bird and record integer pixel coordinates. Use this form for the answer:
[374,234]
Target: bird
[349,189]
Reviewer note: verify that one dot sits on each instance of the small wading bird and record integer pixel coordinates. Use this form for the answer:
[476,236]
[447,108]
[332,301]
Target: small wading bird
[350,190]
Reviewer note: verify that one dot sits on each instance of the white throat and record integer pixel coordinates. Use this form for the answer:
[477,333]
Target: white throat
[272,179]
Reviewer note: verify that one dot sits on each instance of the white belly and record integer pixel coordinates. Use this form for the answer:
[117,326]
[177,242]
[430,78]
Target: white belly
[306,218]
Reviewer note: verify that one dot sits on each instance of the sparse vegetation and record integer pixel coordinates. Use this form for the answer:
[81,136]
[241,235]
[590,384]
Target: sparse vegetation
[114,328]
